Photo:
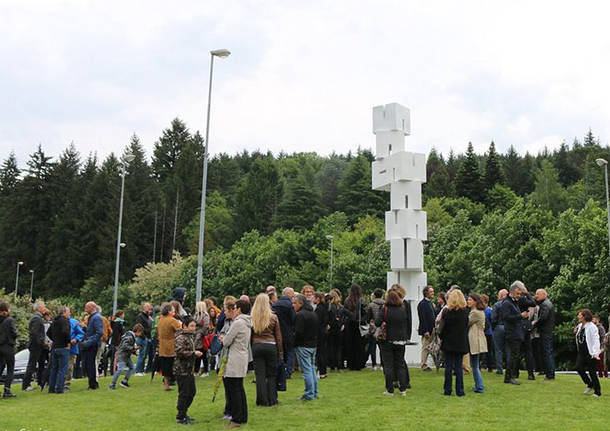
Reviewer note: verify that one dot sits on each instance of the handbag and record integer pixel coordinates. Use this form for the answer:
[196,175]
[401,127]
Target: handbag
[363,327]
[381,333]
[441,324]
[215,344]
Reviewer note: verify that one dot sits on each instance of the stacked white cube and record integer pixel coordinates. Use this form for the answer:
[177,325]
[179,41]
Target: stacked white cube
[402,173]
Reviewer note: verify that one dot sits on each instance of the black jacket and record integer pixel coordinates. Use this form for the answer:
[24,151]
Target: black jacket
[546,318]
[142,319]
[336,318]
[8,332]
[511,316]
[306,327]
[285,313]
[59,332]
[36,329]
[396,322]
[455,331]
[425,312]
[407,305]
[322,314]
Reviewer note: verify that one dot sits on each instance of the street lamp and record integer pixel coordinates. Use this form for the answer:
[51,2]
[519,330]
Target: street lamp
[604,163]
[31,284]
[17,278]
[332,252]
[221,53]
[127,158]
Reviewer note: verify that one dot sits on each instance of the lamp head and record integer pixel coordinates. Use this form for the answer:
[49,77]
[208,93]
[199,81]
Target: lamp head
[601,162]
[329,237]
[128,158]
[31,271]
[122,245]
[19,263]
[221,53]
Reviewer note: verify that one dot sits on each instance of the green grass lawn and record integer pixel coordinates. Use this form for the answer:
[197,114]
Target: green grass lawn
[348,401]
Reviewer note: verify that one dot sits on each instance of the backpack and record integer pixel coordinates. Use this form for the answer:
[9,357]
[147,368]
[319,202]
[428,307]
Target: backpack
[213,344]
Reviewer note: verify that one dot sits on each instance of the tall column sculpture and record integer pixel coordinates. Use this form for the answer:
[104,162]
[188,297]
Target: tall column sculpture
[402,173]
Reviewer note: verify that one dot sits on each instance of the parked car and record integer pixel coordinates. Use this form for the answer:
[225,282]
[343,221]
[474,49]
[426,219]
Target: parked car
[21,363]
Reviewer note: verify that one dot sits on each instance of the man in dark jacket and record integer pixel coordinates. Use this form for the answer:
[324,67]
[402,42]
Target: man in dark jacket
[286,315]
[525,303]
[8,335]
[546,325]
[305,342]
[145,341]
[425,312]
[513,331]
[91,342]
[60,353]
[37,344]
[322,314]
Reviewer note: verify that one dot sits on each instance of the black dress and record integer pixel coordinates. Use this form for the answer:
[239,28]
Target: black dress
[355,344]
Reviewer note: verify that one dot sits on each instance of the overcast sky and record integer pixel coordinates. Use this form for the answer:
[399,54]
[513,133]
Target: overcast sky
[302,76]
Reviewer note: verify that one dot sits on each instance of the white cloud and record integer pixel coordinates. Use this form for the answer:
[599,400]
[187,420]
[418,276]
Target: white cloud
[302,76]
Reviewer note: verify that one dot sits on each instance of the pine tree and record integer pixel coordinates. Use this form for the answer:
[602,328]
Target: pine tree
[258,196]
[453,165]
[468,178]
[356,198]
[512,162]
[437,184]
[568,174]
[590,140]
[300,206]
[9,175]
[493,171]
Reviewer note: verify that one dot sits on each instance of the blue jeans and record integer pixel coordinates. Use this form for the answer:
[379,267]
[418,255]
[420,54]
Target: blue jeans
[498,335]
[453,361]
[373,350]
[122,366]
[476,373]
[59,368]
[143,343]
[546,342]
[307,361]
[289,361]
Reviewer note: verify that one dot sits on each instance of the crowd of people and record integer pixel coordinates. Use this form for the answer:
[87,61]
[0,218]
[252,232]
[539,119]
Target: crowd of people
[276,332]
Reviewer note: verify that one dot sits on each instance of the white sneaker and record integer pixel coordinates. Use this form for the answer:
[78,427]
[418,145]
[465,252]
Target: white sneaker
[595,396]
[204,375]
[29,388]
[403,393]
[588,391]
[139,374]
[388,394]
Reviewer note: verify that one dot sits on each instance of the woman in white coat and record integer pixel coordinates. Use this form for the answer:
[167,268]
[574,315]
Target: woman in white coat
[587,344]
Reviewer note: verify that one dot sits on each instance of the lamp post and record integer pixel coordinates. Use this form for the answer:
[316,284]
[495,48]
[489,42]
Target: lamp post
[17,278]
[604,163]
[127,158]
[332,252]
[222,53]
[31,284]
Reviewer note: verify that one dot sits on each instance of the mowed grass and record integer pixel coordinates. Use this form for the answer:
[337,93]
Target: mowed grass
[348,401]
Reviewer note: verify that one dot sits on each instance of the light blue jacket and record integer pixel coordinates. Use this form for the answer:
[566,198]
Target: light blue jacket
[76,333]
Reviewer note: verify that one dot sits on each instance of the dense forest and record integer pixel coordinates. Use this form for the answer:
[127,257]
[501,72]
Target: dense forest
[492,218]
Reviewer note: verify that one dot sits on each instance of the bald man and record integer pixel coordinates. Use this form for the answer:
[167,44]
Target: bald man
[546,325]
[91,342]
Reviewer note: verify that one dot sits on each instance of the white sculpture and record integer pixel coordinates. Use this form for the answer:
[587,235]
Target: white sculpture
[402,173]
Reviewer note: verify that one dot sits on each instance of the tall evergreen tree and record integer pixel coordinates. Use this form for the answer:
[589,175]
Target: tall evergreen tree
[9,174]
[453,165]
[356,198]
[258,196]
[437,183]
[493,171]
[300,206]
[468,179]
[568,174]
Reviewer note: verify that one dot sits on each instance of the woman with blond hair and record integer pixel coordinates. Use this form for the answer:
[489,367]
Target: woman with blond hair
[266,345]
[336,323]
[453,330]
